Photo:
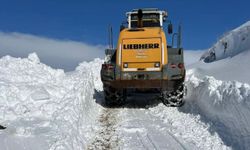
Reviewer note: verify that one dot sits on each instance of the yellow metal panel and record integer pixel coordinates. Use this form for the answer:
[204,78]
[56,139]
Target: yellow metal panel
[144,56]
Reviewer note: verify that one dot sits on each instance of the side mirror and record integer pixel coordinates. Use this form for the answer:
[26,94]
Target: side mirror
[164,19]
[170,28]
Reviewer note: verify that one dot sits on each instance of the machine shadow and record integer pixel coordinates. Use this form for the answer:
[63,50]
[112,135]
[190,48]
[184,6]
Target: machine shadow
[134,100]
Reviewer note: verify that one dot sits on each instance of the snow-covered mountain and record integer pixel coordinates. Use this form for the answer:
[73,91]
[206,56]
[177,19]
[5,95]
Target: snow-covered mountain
[230,44]
[45,108]
[230,56]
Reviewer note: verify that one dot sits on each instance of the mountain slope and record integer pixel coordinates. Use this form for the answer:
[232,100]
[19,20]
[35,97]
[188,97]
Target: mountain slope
[230,44]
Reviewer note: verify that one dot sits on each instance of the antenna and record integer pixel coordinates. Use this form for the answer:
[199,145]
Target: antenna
[110,37]
[179,42]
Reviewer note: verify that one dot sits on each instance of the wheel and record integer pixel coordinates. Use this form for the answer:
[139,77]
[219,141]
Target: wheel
[173,98]
[113,96]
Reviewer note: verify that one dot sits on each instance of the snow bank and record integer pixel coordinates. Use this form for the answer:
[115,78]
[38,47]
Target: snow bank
[95,67]
[44,108]
[223,104]
[230,44]
[219,91]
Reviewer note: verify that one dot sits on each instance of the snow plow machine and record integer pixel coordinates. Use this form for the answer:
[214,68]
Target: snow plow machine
[143,60]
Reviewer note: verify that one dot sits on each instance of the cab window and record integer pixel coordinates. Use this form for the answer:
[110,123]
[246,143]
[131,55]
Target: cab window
[148,20]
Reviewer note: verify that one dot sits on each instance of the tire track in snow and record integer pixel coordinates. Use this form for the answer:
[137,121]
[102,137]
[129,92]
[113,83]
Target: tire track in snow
[142,130]
[146,138]
[106,137]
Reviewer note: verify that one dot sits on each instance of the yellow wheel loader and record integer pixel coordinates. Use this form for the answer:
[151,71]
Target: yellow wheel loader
[143,59]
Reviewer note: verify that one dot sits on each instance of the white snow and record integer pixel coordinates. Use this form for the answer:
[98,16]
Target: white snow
[225,105]
[165,128]
[45,108]
[219,91]
[228,69]
[230,62]
[191,56]
[230,44]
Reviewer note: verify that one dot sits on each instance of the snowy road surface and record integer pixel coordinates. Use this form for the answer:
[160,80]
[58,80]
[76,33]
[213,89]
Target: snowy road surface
[138,124]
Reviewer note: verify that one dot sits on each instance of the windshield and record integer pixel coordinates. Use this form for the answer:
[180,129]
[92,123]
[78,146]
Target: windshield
[148,20]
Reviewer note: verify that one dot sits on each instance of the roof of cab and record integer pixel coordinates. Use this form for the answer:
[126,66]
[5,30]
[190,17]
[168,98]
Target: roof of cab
[147,10]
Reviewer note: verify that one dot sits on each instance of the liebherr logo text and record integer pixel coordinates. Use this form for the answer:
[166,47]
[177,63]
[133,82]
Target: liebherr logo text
[141,46]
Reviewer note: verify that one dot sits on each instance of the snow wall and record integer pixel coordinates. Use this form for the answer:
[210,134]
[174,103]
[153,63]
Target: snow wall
[45,108]
[223,104]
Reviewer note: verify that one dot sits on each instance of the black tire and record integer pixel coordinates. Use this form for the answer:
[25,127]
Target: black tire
[173,98]
[113,96]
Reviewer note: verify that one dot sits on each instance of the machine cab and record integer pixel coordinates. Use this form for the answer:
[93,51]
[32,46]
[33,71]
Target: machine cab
[149,17]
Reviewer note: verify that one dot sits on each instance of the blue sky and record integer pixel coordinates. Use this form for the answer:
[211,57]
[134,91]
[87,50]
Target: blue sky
[87,20]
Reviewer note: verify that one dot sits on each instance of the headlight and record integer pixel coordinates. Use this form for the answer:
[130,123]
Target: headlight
[157,64]
[125,65]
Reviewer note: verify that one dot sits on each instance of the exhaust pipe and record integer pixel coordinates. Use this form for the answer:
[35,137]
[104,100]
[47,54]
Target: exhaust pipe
[139,21]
